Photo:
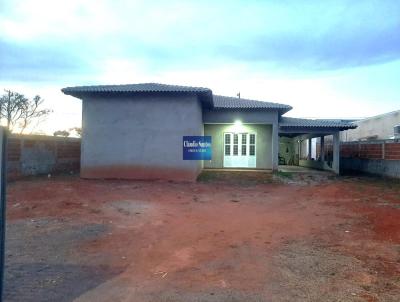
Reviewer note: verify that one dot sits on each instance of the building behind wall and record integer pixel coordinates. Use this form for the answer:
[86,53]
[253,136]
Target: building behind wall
[380,127]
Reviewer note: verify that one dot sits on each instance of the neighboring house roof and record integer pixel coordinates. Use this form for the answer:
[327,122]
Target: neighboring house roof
[226,102]
[383,115]
[290,122]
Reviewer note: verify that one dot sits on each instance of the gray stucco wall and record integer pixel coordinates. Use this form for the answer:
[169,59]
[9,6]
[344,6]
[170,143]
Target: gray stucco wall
[139,137]
[246,116]
[263,143]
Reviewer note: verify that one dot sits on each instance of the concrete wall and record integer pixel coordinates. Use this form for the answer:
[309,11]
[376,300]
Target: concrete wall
[36,154]
[263,143]
[390,168]
[139,137]
[246,116]
[377,127]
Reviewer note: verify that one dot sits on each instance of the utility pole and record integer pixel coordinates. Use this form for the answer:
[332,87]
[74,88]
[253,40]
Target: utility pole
[238,94]
[3,175]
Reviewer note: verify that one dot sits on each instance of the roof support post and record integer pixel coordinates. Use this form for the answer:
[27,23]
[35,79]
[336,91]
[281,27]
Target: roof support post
[322,149]
[309,148]
[275,147]
[3,141]
[336,153]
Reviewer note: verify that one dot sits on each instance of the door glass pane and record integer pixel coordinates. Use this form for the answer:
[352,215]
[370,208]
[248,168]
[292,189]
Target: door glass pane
[252,139]
[227,149]
[235,144]
[252,150]
[244,144]
[227,138]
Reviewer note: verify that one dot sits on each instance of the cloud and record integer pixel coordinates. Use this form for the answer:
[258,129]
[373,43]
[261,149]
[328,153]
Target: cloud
[43,37]
[40,62]
[334,49]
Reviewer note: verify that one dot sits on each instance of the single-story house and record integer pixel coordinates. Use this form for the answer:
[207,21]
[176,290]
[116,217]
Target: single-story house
[140,131]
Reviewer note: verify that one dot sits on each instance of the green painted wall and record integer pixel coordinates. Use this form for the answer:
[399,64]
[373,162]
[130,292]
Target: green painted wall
[263,143]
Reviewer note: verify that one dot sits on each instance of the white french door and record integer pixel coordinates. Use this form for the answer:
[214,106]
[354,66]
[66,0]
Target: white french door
[239,150]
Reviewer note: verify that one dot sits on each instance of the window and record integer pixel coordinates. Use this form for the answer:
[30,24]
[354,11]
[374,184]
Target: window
[252,146]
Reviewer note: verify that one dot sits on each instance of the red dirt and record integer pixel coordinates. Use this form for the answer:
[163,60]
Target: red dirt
[138,172]
[211,238]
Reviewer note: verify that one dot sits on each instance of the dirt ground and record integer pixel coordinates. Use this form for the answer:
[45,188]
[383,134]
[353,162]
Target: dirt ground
[225,238]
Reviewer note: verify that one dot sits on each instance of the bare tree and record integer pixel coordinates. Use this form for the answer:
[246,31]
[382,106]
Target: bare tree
[19,111]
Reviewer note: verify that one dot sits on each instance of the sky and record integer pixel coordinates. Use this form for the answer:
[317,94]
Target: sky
[327,59]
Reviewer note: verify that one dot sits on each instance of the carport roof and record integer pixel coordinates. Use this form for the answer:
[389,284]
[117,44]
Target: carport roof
[290,122]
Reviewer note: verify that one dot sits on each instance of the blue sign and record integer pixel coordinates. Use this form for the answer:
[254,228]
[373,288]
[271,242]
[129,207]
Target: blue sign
[197,148]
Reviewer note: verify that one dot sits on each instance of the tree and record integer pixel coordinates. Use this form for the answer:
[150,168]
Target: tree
[19,112]
[63,133]
[77,130]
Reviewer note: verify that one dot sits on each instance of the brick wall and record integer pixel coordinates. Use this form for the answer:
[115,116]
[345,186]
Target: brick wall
[387,150]
[34,155]
[392,151]
[374,157]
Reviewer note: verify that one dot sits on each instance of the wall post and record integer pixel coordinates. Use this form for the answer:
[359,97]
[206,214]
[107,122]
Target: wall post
[3,141]
[275,147]
[322,149]
[383,150]
[336,153]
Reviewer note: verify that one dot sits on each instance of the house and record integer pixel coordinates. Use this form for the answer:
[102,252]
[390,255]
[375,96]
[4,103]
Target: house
[379,127]
[143,131]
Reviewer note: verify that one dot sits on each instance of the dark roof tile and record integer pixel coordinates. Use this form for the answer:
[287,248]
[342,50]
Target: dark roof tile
[143,87]
[225,102]
[213,101]
[290,122]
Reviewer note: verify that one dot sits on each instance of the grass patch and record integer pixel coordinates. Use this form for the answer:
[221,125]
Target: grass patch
[206,176]
[241,178]
[282,174]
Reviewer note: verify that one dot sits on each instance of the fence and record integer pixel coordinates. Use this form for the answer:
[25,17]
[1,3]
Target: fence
[37,154]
